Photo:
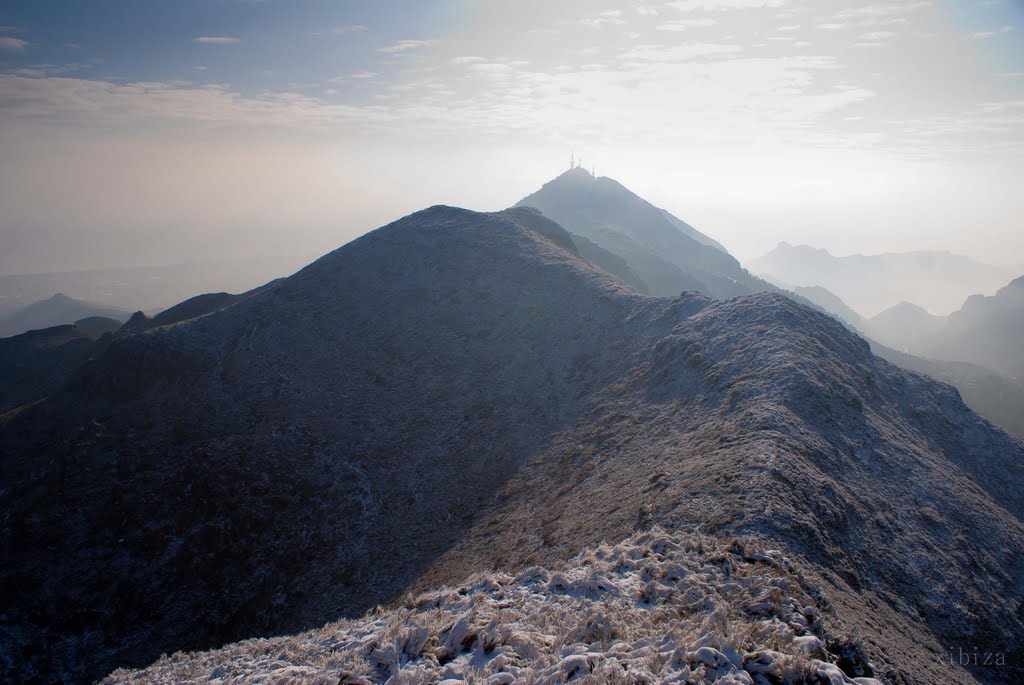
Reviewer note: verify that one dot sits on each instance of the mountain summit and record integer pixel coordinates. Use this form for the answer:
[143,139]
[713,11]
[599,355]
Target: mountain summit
[460,392]
[600,200]
[667,253]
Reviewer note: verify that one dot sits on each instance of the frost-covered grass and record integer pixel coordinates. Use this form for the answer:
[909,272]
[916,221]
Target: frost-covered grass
[656,608]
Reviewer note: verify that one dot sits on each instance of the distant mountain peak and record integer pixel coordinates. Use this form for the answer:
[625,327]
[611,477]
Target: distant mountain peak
[56,310]
[908,307]
[577,172]
[667,254]
[936,280]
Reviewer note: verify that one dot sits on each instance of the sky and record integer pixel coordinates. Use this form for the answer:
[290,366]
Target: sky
[147,133]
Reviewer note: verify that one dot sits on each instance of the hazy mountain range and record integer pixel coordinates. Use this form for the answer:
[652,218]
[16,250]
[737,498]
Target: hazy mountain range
[147,288]
[460,392]
[56,310]
[987,331]
[936,281]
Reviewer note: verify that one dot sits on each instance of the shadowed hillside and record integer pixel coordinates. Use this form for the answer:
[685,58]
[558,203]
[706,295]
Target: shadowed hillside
[37,363]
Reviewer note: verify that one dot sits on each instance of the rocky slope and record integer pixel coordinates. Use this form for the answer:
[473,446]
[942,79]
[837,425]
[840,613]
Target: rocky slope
[459,392]
[996,397]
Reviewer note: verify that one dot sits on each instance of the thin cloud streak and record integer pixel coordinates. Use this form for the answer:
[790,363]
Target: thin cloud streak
[8,44]
[216,40]
[405,45]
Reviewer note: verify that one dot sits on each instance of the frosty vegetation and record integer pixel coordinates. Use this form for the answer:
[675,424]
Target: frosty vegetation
[656,608]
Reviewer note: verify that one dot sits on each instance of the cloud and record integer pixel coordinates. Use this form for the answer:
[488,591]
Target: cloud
[404,45]
[364,74]
[678,53]
[714,5]
[685,24]
[875,36]
[44,70]
[873,15]
[90,102]
[12,45]
[982,35]
[606,17]
[881,11]
[348,28]
[216,40]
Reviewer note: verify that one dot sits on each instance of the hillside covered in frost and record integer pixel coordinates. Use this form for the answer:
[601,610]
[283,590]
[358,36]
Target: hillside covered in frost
[458,393]
[654,608]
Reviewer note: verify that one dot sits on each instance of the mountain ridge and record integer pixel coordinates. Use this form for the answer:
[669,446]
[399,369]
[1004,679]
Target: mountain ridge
[458,391]
[938,281]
